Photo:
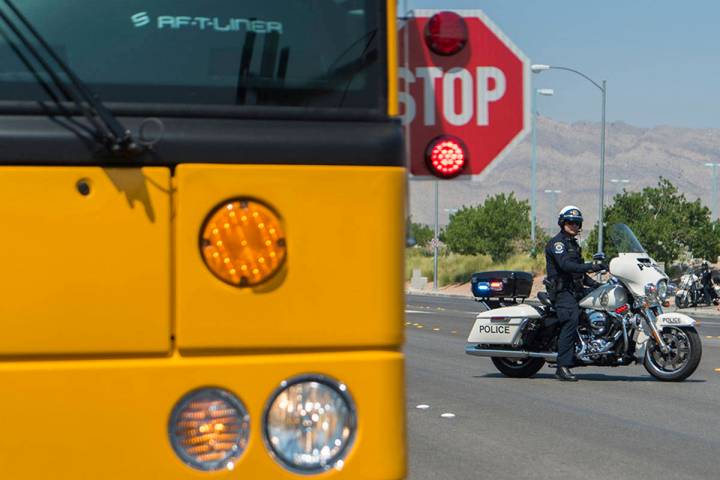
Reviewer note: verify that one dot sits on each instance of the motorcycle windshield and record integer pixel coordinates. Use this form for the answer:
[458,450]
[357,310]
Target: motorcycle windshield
[624,239]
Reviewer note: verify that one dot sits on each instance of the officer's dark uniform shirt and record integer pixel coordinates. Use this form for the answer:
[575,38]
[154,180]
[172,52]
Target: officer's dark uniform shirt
[564,264]
[706,276]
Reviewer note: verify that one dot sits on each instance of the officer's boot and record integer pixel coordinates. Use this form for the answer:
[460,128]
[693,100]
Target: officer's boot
[564,373]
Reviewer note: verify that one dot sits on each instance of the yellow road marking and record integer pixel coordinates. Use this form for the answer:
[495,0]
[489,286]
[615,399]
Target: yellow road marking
[708,336]
[454,331]
[717,370]
[418,326]
[436,329]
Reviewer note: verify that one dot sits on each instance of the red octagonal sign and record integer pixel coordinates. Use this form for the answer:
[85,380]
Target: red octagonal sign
[464,81]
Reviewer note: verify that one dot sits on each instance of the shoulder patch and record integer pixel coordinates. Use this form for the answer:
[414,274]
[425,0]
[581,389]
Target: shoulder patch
[559,247]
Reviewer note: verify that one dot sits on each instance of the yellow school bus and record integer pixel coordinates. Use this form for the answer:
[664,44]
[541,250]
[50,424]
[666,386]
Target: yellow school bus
[201,223]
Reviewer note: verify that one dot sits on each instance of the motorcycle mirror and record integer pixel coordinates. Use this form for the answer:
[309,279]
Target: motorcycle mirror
[599,257]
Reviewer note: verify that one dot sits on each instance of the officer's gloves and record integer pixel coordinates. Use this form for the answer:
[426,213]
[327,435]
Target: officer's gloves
[597,267]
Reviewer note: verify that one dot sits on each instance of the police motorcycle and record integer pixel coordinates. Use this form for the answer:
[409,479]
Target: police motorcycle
[691,290]
[622,321]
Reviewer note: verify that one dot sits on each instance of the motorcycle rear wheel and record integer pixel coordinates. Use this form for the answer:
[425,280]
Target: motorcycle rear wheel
[681,361]
[518,367]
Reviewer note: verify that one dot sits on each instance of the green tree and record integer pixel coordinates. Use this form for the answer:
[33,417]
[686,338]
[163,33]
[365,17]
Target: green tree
[665,222]
[460,235]
[541,239]
[420,233]
[497,228]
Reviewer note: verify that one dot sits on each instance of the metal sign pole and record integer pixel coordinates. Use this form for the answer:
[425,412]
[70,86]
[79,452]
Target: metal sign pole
[436,240]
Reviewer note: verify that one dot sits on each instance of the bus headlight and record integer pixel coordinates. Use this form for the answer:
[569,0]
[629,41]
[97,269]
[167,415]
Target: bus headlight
[243,242]
[209,429]
[662,289]
[310,423]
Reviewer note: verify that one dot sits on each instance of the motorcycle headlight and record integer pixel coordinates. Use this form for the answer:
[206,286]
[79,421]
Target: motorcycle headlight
[662,289]
[651,292]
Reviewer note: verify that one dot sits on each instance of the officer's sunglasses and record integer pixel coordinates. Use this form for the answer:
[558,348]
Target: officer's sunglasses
[577,224]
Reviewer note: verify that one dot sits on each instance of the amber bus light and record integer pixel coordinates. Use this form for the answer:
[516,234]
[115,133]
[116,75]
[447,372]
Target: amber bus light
[209,429]
[243,242]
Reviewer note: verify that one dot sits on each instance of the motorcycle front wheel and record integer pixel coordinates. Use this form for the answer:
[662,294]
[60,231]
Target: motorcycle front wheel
[682,301]
[518,367]
[682,359]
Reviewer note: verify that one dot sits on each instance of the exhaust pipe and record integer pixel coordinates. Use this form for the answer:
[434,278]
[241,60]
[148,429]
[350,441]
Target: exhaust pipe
[487,352]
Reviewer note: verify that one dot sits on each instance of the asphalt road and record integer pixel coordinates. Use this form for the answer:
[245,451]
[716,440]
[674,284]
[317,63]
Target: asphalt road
[466,420]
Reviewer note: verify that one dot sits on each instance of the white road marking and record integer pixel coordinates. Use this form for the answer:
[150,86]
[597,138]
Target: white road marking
[448,415]
[418,311]
[422,406]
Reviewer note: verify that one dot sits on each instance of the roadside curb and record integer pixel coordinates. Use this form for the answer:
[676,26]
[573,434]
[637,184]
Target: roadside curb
[672,309]
[438,294]
[694,311]
[530,301]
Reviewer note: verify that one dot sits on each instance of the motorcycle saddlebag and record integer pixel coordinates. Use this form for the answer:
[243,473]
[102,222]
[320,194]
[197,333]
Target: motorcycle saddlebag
[501,326]
[501,284]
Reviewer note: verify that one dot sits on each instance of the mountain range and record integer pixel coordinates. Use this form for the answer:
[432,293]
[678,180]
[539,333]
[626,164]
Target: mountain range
[568,160]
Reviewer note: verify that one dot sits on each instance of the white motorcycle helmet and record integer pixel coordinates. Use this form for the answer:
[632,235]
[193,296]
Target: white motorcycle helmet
[570,213]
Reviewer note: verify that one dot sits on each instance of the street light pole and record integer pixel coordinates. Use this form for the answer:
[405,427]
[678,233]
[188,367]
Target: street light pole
[537,68]
[714,198]
[533,160]
[553,194]
[601,208]
[617,182]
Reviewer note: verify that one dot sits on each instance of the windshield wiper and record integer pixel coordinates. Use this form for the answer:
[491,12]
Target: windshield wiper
[109,131]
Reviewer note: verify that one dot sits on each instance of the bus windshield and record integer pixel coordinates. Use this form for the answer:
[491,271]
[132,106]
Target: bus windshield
[250,53]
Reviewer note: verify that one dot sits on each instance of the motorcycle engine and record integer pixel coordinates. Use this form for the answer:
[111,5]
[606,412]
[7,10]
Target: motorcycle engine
[591,341]
[598,322]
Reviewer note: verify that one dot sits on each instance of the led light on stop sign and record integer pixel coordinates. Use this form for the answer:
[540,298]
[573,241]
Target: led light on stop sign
[480,94]
[446,156]
[446,33]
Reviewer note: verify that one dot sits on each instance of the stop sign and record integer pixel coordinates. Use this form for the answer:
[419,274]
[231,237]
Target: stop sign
[479,94]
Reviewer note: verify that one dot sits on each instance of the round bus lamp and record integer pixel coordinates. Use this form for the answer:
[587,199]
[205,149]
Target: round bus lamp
[83,187]
[243,242]
[310,424]
[209,429]
[446,33]
[446,156]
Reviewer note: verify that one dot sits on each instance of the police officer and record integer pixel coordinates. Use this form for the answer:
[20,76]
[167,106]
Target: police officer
[706,281]
[566,271]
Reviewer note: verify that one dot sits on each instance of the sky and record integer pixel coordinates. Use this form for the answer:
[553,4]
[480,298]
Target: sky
[661,58]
